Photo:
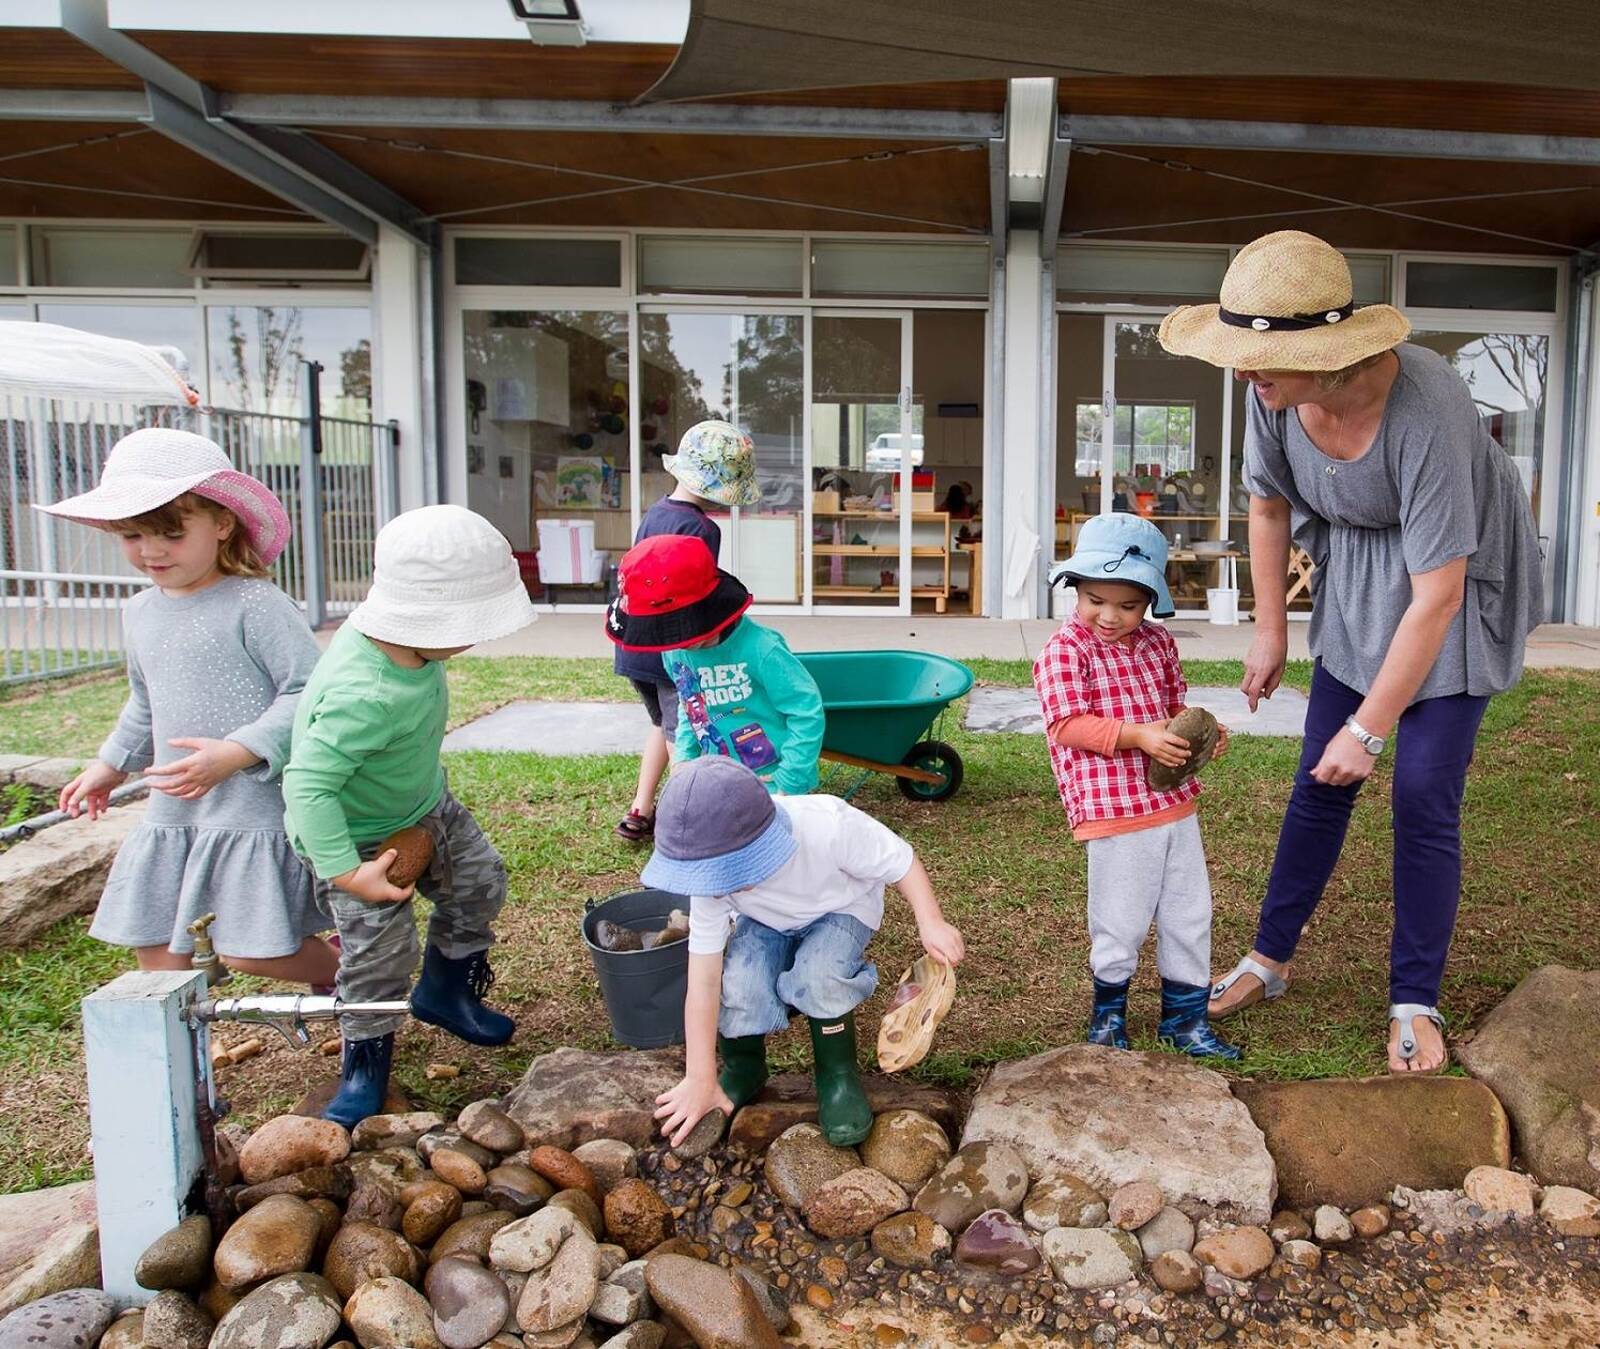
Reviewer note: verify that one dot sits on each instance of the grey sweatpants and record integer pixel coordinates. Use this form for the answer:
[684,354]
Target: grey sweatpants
[1160,874]
[466,882]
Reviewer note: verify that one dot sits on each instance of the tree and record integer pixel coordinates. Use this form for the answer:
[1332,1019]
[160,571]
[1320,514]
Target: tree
[263,361]
[355,372]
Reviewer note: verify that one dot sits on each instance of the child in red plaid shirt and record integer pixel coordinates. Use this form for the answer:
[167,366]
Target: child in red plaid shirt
[1109,683]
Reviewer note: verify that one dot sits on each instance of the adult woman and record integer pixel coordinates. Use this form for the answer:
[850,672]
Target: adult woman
[1369,453]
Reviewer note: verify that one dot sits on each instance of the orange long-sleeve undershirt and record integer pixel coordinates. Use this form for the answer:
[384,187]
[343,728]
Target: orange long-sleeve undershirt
[1098,735]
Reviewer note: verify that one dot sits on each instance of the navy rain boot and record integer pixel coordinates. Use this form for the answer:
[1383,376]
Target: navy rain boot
[1108,1022]
[1185,1025]
[450,995]
[363,1080]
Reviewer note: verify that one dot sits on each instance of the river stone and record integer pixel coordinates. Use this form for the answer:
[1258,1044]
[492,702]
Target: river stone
[997,1243]
[391,1166]
[1501,1191]
[563,1170]
[1179,1271]
[278,1236]
[1132,1205]
[1199,728]
[172,1321]
[470,1303]
[1091,1257]
[1330,1226]
[49,1242]
[609,1160]
[772,1300]
[1571,1212]
[1539,1051]
[717,1308]
[907,1146]
[390,1131]
[363,1251]
[583,1208]
[1287,1225]
[217,1301]
[1303,1254]
[456,1141]
[290,1143]
[791,1098]
[801,1160]
[74,1318]
[376,1202]
[389,1313]
[1110,1116]
[640,1335]
[982,1175]
[1062,1200]
[1351,1141]
[454,1167]
[617,1305]
[636,1217]
[471,1235]
[1169,1230]
[705,1135]
[487,1125]
[531,1243]
[911,1240]
[570,1096]
[851,1205]
[315,1182]
[126,1332]
[518,1190]
[180,1258]
[562,1290]
[434,1207]
[1371,1221]
[1238,1252]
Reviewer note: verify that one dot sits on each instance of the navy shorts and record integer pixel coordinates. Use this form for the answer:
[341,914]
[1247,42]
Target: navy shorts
[660,700]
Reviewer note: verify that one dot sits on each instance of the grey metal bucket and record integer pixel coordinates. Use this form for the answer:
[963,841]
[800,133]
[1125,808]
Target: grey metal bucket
[643,990]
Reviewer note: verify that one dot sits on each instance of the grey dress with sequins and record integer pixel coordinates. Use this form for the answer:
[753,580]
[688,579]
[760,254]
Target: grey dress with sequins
[227,663]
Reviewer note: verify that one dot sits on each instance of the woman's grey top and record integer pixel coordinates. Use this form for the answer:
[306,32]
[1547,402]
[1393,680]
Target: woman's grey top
[226,663]
[1433,487]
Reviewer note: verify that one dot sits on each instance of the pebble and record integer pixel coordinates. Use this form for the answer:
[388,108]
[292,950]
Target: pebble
[801,1160]
[1134,1204]
[290,1143]
[470,1303]
[1302,1254]
[609,1160]
[582,1207]
[489,1126]
[1287,1225]
[636,1217]
[376,1202]
[980,1176]
[1331,1227]
[517,1189]
[1061,1199]
[563,1170]
[1177,1272]
[998,1243]
[180,1258]
[470,1234]
[455,1140]
[705,1135]
[1238,1252]
[1092,1257]
[851,1205]
[278,1236]
[297,1311]
[362,1251]
[907,1146]
[73,1319]
[617,1305]
[1499,1190]
[388,1313]
[911,1241]
[1372,1221]
[560,1292]
[172,1321]
[454,1167]
[531,1243]
[1570,1211]
[1170,1230]
[433,1206]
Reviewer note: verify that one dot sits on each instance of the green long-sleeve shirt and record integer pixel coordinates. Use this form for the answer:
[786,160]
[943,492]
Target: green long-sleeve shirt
[749,697]
[365,755]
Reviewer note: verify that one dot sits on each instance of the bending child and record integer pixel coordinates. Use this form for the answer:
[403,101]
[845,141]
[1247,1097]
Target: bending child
[217,656]
[366,763]
[1109,683]
[784,897]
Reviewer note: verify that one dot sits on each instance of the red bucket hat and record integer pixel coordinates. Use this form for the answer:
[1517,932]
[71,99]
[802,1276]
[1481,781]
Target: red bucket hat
[671,593]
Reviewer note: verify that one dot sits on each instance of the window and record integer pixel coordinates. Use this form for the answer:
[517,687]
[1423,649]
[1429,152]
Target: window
[720,266]
[258,351]
[1476,285]
[1105,272]
[8,255]
[110,257]
[868,267]
[1150,439]
[156,325]
[538,262]
[227,255]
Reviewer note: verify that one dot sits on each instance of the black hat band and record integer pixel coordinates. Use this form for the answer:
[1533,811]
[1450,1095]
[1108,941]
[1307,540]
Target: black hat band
[1285,323]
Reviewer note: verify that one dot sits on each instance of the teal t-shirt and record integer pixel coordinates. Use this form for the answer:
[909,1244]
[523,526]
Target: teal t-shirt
[750,698]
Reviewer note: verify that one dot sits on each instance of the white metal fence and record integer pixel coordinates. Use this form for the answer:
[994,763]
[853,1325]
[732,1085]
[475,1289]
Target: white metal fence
[62,586]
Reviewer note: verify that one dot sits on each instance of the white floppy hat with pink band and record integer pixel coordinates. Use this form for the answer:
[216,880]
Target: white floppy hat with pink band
[147,469]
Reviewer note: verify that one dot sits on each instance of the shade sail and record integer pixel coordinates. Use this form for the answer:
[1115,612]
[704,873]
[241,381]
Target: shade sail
[46,360]
[756,46]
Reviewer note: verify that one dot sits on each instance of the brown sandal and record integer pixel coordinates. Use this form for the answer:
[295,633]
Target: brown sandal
[921,1000]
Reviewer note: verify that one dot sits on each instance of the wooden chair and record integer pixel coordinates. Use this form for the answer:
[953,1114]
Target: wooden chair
[1300,569]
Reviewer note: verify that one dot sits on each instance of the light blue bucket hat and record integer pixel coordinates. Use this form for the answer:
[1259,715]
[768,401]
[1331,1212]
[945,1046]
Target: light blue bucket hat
[716,460]
[1121,547]
[717,830]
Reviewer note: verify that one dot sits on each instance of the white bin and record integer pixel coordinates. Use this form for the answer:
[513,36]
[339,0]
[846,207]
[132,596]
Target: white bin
[567,555]
[1222,602]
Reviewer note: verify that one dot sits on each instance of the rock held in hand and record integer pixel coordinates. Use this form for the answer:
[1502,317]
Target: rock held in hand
[1199,728]
[413,848]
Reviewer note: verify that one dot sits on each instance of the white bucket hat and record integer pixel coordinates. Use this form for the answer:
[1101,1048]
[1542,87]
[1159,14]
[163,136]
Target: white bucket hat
[442,576]
[147,469]
[1287,304]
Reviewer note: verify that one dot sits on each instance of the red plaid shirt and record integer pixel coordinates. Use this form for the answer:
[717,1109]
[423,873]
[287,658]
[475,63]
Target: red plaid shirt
[1137,680]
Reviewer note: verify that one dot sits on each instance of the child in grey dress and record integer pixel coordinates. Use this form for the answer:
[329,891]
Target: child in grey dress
[217,656]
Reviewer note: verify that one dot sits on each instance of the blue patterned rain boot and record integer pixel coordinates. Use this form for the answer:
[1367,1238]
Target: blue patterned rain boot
[363,1081]
[450,995]
[1108,1021]
[1185,1025]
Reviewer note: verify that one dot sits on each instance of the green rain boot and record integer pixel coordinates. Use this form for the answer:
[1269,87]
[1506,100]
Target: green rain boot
[842,1107]
[744,1066]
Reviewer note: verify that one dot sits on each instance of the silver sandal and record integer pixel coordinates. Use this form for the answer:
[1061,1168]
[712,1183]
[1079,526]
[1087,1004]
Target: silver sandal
[1407,1012]
[1272,986]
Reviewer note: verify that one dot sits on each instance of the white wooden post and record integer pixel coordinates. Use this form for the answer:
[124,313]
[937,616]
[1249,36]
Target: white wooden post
[140,1055]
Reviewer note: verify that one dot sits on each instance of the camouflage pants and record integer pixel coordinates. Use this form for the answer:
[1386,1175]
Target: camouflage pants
[466,883]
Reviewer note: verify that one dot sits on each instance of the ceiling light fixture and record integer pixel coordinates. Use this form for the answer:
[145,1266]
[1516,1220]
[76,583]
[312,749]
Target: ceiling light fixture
[552,23]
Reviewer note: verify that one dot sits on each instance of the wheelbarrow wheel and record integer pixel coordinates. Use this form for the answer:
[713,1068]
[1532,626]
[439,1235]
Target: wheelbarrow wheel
[932,756]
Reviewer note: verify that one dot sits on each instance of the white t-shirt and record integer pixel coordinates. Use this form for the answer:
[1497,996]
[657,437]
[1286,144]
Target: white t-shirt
[842,860]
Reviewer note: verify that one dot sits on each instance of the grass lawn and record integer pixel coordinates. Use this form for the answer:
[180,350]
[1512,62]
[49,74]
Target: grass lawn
[1000,854]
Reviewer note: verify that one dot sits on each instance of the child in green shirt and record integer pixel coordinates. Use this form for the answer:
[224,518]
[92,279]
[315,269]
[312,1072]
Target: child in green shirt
[365,763]
[742,692]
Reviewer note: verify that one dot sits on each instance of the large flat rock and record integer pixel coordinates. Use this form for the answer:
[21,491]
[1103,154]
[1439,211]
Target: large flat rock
[1539,1051]
[1111,1117]
[1017,710]
[570,1096]
[59,872]
[49,1242]
[1350,1141]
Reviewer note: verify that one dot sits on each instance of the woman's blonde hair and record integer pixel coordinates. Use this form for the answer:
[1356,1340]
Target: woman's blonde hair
[236,556]
[1329,380]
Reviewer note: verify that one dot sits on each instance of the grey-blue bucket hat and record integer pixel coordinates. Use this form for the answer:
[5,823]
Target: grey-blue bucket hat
[1121,547]
[717,830]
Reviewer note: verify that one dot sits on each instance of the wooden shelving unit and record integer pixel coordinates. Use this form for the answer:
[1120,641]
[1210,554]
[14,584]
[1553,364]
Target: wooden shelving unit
[886,524]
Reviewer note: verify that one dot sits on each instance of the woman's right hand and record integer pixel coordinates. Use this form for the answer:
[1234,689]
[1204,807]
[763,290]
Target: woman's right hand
[91,789]
[370,881]
[1263,666]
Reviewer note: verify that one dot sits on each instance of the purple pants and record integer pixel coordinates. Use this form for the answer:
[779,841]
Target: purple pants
[1432,750]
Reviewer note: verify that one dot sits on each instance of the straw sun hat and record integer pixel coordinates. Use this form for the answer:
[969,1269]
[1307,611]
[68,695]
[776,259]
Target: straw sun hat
[1286,305]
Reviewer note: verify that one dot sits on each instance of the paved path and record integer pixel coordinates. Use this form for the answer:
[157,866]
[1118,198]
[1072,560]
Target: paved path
[1017,710]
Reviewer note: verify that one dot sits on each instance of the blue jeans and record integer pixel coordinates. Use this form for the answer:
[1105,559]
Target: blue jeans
[817,970]
[1432,750]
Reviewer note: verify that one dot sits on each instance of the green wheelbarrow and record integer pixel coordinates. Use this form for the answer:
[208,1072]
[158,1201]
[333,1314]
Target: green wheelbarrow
[881,707]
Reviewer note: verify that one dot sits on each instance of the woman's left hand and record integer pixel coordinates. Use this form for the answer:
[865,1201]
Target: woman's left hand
[1343,762]
[191,777]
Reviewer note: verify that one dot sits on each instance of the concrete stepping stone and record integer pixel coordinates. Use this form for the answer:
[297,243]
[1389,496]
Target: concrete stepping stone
[560,730]
[1016,711]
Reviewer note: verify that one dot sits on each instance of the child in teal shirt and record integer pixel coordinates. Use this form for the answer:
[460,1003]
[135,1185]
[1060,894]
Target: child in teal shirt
[742,692]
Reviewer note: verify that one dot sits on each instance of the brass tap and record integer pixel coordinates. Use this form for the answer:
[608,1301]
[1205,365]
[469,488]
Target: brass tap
[205,957]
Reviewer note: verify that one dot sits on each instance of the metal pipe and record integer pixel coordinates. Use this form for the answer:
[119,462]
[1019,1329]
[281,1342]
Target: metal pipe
[287,1013]
[129,791]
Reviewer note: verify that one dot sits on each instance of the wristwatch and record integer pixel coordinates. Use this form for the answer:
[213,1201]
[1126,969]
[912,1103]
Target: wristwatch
[1373,744]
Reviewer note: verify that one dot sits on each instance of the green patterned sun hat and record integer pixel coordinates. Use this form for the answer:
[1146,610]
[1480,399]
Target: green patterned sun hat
[716,460]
